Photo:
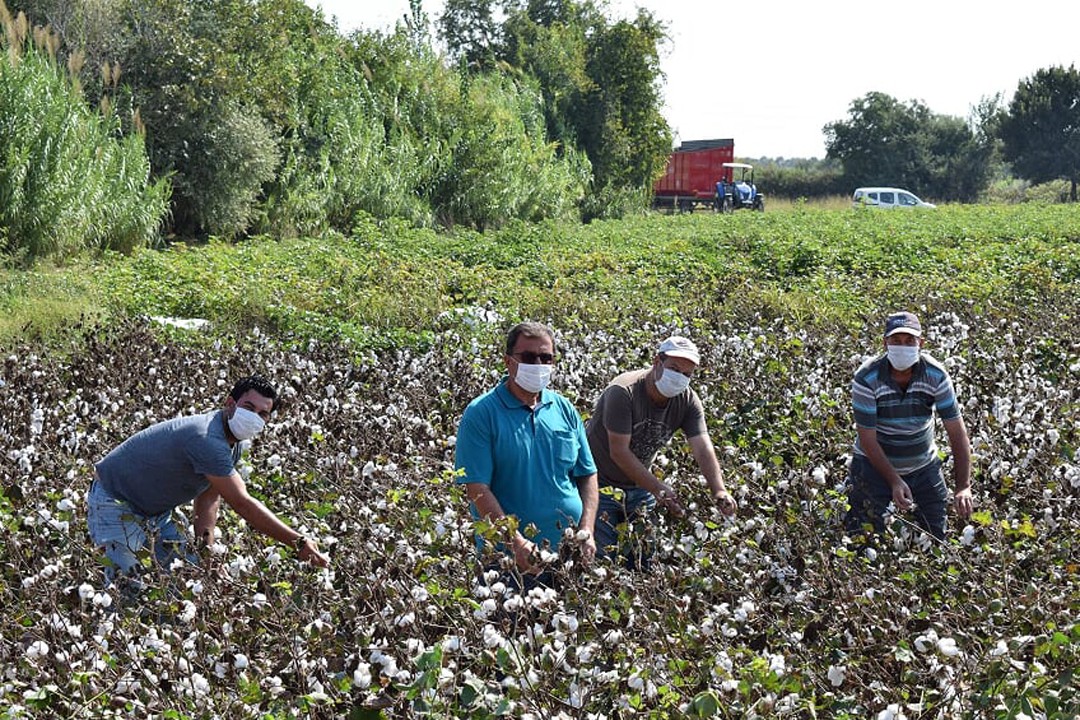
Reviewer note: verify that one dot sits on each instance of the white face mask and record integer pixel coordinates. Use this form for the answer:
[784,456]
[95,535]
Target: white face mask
[902,357]
[672,383]
[533,378]
[245,424]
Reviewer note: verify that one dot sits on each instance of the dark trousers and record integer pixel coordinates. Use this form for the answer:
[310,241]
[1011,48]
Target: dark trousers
[869,494]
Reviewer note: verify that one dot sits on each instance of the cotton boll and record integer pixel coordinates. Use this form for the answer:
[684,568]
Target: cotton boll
[362,676]
[892,712]
[948,647]
[492,638]
[927,642]
[37,650]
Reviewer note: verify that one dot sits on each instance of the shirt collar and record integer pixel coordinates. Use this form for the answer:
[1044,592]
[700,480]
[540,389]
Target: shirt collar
[507,398]
[885,369]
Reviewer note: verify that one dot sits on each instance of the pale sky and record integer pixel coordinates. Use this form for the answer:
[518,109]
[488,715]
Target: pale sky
[772,73]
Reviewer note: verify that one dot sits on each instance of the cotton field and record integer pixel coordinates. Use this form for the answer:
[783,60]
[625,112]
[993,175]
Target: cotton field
[773,613]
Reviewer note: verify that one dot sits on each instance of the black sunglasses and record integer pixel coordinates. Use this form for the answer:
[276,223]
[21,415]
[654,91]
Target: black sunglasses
[531,358]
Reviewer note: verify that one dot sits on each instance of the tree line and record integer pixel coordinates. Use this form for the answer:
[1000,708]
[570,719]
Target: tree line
[159,118]
[883,141]
[259,116]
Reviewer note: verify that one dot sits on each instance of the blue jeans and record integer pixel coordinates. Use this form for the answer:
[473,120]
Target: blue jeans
[869,494]
[122,531]
[618,509]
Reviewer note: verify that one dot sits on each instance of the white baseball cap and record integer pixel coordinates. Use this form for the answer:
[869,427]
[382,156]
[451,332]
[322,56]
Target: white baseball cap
[676,346]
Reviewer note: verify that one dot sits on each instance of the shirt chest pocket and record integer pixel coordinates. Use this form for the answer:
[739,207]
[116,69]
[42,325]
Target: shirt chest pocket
[564,450]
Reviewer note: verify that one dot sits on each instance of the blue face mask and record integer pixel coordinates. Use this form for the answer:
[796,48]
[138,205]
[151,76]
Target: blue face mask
[245,424]
[672,383]
[533,378]
[902,357]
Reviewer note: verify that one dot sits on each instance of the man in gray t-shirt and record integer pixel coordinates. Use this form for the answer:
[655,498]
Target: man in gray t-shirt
[139,483]
[636,415]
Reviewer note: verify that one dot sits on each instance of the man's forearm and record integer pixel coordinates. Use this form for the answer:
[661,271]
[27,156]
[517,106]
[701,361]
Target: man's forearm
[962,467]
[259,517]
[206,515]
[590,501]
[872,449]
[705,455]
[487,505]
[635,470]
[489,508]
[961,451]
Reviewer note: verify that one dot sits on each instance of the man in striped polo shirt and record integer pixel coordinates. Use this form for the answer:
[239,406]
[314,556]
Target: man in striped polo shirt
[895,395]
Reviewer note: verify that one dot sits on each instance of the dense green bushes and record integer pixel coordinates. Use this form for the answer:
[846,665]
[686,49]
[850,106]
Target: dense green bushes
[391,279]
[69,180]
[267,120]
[808,179]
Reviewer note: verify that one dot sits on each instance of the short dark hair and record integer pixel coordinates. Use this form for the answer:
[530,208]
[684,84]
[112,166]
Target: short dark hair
[257,383]
[530,329]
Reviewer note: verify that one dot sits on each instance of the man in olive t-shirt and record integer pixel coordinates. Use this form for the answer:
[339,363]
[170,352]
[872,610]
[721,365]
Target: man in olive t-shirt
[636,415]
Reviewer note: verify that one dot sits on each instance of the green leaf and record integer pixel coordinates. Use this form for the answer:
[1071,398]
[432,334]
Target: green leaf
[472,689]
[430,659]
[903,653]
[706,704]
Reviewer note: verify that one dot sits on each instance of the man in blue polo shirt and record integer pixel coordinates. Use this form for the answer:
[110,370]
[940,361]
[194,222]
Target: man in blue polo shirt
[895,396]
[521,451]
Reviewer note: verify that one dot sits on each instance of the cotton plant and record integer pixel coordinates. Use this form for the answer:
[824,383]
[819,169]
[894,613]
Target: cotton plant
[590,663]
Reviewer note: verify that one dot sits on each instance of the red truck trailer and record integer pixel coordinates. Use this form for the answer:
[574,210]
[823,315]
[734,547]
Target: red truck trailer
[692,172]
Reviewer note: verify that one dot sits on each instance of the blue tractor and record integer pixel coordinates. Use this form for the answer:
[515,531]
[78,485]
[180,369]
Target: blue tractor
[735,189]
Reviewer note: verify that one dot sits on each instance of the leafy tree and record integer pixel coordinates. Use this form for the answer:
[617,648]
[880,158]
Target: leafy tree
[221,85]
[600,83]
[266,119]
[415,101]
[69,179]
[471,145]
[877,143]
[620,127]
[236,153]
[470,32]
[552,12]
[886,142]
[1041,130]
[548,40]
[959,159]
[502,165]
[93,29]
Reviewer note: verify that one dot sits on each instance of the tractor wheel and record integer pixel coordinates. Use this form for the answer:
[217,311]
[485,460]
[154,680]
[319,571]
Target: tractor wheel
[728,205]
[759,204]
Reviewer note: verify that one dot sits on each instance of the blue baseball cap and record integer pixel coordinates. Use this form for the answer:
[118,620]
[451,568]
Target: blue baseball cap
[903,322]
